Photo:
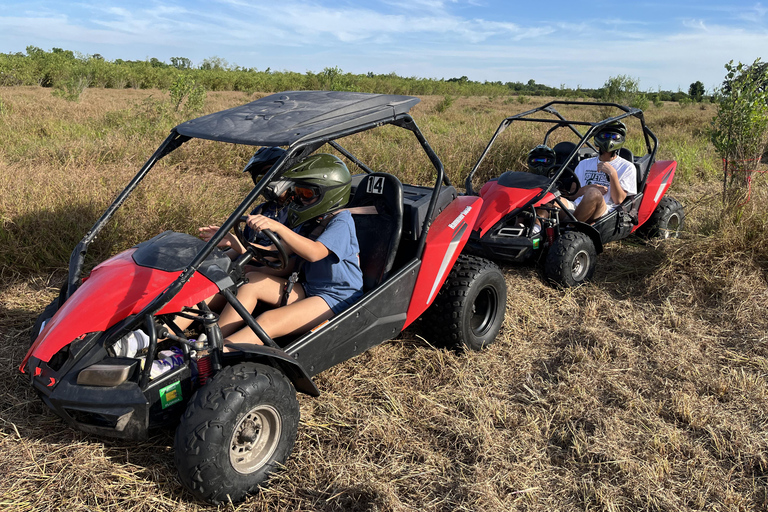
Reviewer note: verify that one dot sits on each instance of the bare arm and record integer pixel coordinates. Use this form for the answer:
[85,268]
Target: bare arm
[617,193]
[308,249]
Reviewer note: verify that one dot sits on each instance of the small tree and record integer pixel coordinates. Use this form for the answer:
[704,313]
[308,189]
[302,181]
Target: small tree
[739,130]
[181,63]
[624,90]
[186,92]
[696,91]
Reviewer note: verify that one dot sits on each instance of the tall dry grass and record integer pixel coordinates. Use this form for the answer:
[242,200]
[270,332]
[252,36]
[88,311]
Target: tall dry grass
[644,390]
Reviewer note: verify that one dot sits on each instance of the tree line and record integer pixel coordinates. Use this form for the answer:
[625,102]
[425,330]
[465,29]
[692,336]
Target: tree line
[65,69]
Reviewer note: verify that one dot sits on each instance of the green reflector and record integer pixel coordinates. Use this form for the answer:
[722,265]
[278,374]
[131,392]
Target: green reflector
[536,243]
[170,394]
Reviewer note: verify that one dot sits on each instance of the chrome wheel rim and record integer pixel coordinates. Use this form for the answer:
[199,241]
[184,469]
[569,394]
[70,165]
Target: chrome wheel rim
[255,439]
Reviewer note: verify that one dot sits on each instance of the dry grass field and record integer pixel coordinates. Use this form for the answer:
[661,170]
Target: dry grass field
[643,390]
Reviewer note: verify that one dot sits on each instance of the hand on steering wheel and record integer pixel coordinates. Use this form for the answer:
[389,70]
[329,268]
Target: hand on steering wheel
[263,256]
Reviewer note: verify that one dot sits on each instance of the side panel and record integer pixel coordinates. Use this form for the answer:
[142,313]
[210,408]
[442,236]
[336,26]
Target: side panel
[114,290]
[660,177]
[445,240]
[377,317]
[498,201]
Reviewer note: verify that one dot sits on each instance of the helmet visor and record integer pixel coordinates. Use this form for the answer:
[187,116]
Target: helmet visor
[609,136]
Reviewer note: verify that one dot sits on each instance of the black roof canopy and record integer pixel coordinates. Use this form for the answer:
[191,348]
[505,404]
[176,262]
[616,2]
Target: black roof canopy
[284,118]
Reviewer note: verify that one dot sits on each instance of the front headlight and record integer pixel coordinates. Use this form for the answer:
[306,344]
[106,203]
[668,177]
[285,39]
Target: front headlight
[106,373]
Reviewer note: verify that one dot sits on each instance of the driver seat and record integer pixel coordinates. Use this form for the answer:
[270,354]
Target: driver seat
[377,209]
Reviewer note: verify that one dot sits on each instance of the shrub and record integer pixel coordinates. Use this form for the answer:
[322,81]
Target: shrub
[186,94]
[444,104]
[72,88]
[739,130]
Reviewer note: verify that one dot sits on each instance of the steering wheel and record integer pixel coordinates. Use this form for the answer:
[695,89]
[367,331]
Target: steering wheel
[262,255]
[566,181]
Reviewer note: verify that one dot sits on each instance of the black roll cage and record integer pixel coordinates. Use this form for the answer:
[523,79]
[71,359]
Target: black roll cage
[296,151]
[651,141]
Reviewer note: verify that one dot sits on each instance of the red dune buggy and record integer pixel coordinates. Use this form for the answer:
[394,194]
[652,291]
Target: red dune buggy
[237,414]
[519,220]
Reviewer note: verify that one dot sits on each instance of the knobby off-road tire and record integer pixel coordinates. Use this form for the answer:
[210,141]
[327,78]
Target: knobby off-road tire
[571,260]
[469,309]
[236,430]
[666,221]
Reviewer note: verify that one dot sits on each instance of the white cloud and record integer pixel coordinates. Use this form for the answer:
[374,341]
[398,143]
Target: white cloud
[429,38]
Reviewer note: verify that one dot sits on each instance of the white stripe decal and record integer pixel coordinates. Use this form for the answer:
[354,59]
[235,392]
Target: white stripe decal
[461,216]
[448,257]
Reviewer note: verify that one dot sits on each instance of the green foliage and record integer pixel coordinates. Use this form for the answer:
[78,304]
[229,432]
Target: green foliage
[53,68]
[181,63]
[739,131]
[72,88]
[444,104]
[623,90]
[696,91]
[186,94]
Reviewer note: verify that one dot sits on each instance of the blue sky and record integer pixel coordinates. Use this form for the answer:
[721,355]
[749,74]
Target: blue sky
[665,45]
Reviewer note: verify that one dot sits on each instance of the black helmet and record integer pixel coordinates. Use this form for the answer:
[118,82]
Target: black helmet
[542,159]
[263,158]
[611,136]
[320,184]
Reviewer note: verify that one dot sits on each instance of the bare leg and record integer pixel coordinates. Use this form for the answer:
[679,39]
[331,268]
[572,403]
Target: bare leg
[261,287]
[297,317]
[591,207]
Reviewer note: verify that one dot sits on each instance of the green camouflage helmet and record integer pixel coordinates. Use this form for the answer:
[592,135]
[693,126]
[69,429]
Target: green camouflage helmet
[542,159]
[321,184]
[611,136]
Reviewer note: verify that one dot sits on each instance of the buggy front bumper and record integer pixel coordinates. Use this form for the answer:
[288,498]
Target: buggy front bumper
[123,411]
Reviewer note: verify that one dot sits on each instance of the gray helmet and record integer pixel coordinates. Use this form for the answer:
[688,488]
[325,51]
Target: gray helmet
[320,184]
[261,160]
[611,136]
[542,159]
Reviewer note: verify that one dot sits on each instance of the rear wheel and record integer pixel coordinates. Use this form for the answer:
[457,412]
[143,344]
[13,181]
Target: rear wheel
[571,260]
[666,221]
[469,309]
[236,430]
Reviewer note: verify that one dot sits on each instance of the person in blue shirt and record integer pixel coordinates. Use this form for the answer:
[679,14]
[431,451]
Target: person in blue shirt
[322,237]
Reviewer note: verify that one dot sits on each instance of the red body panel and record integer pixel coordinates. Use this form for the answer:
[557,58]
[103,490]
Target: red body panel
[114,290]
[660,177]
[445,240]
[499,200]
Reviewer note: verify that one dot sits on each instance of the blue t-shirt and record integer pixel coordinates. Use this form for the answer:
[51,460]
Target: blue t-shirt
[337,278]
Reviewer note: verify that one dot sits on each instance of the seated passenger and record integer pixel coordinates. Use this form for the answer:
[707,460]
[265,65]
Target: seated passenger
[541,160]
[606,180]
[327,256]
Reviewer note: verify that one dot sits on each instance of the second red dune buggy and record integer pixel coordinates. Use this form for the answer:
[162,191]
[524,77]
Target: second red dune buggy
[237,413]
[520,219]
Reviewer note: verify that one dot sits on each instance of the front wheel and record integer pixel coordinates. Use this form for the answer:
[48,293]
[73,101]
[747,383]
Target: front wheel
[571,260]
[469,309]
[236,430]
